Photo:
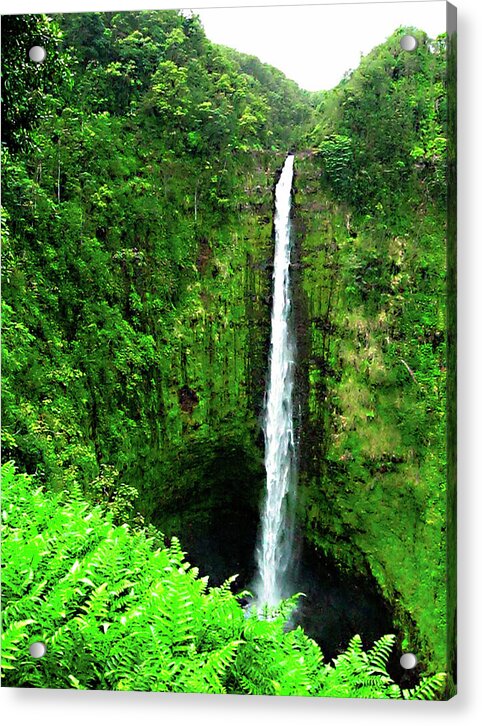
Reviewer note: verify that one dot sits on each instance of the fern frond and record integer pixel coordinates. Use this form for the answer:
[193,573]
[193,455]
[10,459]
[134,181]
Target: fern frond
[428,689]
[116,614]
[12,637]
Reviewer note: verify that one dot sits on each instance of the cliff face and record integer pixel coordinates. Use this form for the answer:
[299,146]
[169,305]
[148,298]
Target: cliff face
[163,408]
[150,340]
[372,374]
[137,249]
[206,473]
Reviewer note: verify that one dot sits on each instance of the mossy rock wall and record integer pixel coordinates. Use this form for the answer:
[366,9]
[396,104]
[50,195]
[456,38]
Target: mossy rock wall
[211,469]
[150,365]
[372,374]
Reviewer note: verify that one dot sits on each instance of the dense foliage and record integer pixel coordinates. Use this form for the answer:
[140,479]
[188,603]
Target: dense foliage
[138,164]
[121,243]
[382,133]
[373,255]
[117,612]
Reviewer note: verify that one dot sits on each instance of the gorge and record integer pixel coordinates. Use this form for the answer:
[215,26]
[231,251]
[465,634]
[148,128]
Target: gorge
[159,184]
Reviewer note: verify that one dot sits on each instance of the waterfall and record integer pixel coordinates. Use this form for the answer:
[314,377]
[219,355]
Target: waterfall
[276,543]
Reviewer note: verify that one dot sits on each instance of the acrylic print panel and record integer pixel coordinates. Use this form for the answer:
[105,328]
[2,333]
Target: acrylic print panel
[229,345]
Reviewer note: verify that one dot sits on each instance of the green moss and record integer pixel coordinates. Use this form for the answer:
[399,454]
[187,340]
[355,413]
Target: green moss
[373,464]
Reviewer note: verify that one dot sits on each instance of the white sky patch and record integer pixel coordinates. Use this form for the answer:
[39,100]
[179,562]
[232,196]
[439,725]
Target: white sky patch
[316,45]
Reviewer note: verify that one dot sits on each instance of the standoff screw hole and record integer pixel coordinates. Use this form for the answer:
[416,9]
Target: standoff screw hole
[408,661]
[37,54]
[37,650]
[408,42]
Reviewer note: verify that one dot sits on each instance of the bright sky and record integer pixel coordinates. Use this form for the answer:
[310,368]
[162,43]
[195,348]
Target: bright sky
[316,45]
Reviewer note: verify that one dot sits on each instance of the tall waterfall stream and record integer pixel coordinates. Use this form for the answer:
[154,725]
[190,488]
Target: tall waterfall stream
[276,544]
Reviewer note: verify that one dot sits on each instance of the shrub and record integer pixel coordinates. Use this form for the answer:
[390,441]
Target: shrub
[117,613]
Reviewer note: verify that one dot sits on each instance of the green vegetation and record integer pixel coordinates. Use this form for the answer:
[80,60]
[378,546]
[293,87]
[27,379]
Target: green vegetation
[138,165]
[382,135]
[117,612]
[373,278]
[128,240]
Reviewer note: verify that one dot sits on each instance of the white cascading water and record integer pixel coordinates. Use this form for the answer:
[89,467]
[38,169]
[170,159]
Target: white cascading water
[276,543]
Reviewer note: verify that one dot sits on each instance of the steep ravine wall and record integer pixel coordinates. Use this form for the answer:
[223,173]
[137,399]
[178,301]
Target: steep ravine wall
[137,371]
[210,468]
[371,493]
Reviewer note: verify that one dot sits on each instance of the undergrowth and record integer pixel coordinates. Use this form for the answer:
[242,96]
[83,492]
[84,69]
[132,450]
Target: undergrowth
[117,612]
